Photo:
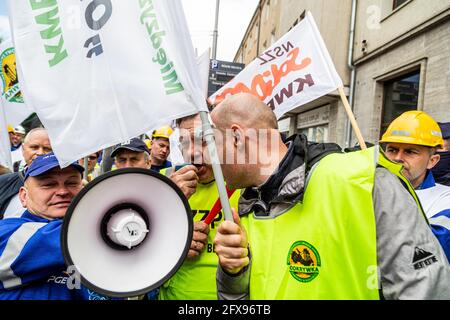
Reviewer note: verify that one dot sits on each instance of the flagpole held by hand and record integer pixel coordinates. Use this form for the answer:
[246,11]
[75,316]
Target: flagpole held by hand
[351,116]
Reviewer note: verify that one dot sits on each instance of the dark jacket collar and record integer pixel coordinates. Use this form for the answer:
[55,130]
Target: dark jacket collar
[286,186]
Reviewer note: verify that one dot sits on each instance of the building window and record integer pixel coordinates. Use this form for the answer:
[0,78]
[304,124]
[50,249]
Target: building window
[314,124]
[400,95]
[317,134]
[283,125]
[398,3]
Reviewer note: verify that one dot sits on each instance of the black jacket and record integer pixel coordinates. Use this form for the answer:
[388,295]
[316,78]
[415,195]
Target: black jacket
[9,186]
[301,155]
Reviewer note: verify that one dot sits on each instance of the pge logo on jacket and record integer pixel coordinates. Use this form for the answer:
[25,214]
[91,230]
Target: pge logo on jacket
[303,261]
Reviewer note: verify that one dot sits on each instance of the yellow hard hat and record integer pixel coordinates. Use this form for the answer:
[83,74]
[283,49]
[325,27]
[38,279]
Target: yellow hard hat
[414,127]
[163,132]
[10,128]
[148,142]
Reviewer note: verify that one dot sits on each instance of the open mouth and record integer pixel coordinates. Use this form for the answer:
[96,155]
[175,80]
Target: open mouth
[202,170]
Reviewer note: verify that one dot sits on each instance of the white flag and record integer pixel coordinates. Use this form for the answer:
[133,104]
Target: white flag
[12,100]
[203,64]
[5,146]
[296,70]
[101,72]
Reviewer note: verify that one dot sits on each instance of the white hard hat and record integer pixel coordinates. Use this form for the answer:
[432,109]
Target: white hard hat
[19,129]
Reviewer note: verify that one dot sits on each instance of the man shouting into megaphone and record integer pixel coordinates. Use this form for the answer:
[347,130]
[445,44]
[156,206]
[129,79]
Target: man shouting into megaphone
[31,260]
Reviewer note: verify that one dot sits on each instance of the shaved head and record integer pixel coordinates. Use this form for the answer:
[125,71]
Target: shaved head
[248,139]
[245,109]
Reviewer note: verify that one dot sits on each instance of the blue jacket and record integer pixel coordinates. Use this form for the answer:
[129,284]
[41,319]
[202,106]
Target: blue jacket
[31,262]
[435,199]
[166,164]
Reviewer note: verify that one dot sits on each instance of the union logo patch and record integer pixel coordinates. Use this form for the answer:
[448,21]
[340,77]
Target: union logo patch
[10,82]
[303,261]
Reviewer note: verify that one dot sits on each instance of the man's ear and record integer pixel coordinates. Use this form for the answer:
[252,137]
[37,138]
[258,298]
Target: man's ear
[238,136]
[23,192]
[434,159]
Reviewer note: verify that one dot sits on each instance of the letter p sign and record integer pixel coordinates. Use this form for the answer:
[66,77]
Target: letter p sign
[214,64]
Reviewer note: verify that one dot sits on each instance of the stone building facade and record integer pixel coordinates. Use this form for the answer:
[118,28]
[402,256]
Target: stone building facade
[400,53]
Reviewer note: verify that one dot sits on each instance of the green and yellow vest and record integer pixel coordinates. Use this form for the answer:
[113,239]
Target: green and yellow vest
[196,278]
[324,247]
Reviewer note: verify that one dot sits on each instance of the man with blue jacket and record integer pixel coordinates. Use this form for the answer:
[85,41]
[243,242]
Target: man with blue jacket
[31,261]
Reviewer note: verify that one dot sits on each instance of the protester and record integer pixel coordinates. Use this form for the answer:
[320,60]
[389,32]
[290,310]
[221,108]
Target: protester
[131,154]
[36,143]
[412,140]
[148,143]
[13,139]
[32,265]
[196,278]
[93,166]
[135,154]
[161,148]
[16,154]
[345,229]
[20,133]
[441,171]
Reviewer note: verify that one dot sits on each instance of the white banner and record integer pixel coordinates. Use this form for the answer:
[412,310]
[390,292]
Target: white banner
[5,146]
[99,72]
[176,156]
[12,100]
[203,64]
[297,69]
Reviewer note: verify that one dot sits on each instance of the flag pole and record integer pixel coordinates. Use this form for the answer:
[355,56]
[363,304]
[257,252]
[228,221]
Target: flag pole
[86,168]
[107,162]
[208,134]
[351,116]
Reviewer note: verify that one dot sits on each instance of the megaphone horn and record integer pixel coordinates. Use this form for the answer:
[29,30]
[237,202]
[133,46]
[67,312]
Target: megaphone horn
[127,232]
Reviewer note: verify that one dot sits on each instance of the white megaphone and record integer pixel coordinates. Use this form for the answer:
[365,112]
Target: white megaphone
[127,232]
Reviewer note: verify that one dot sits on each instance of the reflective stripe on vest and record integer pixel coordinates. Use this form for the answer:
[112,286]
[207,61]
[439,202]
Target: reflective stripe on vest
[14,246]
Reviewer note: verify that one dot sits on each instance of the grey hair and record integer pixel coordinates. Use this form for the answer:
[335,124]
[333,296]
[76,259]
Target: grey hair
[27,137]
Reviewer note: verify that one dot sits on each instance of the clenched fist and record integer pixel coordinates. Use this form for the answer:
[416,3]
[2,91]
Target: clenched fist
[231,245]
[186,179]
[199,239]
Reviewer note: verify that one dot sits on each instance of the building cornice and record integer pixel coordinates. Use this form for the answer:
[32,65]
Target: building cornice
[422,28]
